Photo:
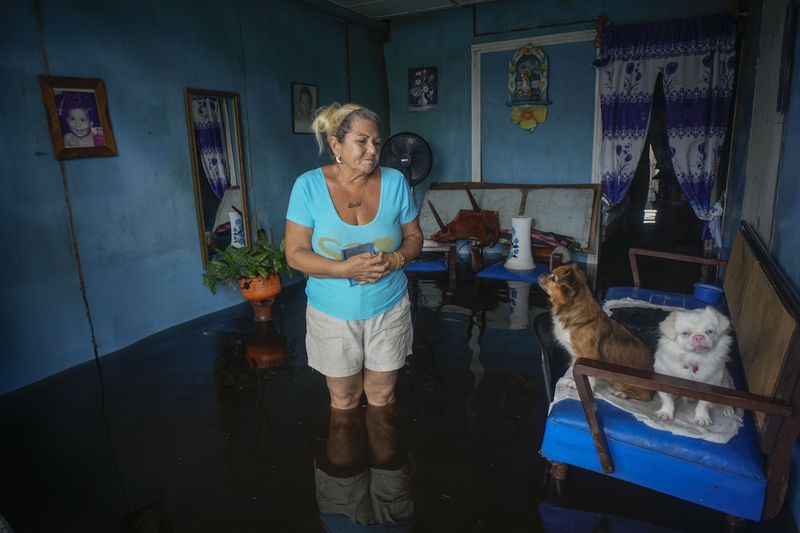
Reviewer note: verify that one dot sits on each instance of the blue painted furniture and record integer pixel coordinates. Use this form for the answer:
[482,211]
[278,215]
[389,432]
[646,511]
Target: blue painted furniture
[745,478]
[669,299]
[499,271]
[430,265]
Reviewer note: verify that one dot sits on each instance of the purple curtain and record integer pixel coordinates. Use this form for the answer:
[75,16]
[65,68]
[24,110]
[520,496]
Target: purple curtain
[209,131]
[696,58]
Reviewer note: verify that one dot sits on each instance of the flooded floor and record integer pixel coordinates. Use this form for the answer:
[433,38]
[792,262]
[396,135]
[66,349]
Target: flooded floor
[219,425]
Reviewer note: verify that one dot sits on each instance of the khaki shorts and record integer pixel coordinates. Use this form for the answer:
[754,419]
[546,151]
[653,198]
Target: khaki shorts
[342,348]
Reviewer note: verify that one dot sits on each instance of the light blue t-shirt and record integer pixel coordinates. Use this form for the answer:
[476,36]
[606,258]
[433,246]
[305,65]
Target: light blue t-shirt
[310,205]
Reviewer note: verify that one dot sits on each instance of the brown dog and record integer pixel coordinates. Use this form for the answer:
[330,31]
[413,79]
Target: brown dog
[582,327]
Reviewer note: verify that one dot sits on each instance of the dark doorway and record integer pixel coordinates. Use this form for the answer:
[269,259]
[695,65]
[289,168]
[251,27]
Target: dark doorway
[671,224]
[658,217]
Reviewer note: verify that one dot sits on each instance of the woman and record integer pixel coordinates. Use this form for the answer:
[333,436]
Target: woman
[358,322]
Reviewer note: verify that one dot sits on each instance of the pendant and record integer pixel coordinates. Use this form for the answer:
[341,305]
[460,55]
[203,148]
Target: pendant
[353,205]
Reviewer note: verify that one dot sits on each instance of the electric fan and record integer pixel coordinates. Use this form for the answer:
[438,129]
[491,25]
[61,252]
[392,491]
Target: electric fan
[410,154]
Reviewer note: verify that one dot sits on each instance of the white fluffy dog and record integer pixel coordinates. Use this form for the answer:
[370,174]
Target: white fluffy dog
[694,345]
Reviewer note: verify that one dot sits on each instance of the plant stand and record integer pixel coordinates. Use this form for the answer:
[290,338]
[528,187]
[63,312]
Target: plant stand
[261,293]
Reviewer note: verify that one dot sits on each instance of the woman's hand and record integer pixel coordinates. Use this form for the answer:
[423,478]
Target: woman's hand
[392,261]
[367,268]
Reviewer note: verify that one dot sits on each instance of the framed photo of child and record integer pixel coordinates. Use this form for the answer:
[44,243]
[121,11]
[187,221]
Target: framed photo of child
[304,104]
[77,114]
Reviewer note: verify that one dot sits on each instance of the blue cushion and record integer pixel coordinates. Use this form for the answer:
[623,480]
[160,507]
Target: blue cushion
[672,299]
[726,477]
[499,271]
[432,265]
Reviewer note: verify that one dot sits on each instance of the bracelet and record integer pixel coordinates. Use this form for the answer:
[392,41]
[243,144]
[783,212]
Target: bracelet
[401,260]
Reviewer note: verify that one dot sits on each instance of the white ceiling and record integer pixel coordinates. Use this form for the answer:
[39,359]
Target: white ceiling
[387,9]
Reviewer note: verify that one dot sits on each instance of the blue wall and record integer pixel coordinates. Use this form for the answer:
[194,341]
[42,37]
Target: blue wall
[40,304]
[275,54]
[558,150]
[367,74]
[134,213]
[443,39]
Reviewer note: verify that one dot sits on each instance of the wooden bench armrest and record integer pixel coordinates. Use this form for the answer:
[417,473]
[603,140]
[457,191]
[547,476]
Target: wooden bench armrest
[681,387]
[585,368]
[633,252]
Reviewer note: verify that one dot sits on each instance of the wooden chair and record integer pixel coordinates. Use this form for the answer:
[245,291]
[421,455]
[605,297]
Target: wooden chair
[745,478]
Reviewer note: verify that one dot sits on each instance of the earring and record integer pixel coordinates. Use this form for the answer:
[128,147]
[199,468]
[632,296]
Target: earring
[338,159]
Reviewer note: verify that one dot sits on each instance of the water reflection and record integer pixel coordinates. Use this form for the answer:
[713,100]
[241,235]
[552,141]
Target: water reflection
[266,348]
[234,450]
[558,519]
[362,475]
[152,518]
[451,325]
[247,364]
[518,308]
[476,368]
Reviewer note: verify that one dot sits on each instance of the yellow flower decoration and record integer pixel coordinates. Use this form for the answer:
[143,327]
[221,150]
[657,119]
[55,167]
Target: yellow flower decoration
[528,118]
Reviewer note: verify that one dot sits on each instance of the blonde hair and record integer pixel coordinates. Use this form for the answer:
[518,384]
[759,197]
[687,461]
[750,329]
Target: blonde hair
[336,121]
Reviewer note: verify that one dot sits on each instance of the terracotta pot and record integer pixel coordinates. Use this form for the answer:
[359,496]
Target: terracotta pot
[261,293]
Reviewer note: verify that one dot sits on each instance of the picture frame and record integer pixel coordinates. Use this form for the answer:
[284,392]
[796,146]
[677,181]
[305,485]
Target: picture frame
[77,114]
[423,89]
[304,104]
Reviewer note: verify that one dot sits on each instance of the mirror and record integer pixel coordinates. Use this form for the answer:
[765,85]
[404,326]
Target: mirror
[220,187]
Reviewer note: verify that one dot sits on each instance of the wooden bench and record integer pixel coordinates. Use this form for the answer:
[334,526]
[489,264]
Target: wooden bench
[745,478]
[571,210]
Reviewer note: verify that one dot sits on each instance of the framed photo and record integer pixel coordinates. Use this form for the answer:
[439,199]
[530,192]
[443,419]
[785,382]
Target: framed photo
[304,103]
[77,113]
[423,89]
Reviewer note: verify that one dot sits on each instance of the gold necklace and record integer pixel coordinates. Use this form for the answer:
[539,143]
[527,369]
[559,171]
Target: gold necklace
[357,203]
[342,188]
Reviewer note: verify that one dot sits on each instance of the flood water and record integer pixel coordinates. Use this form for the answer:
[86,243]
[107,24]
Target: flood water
[219,425]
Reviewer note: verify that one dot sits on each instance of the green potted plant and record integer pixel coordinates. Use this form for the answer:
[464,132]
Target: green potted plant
[256,269]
